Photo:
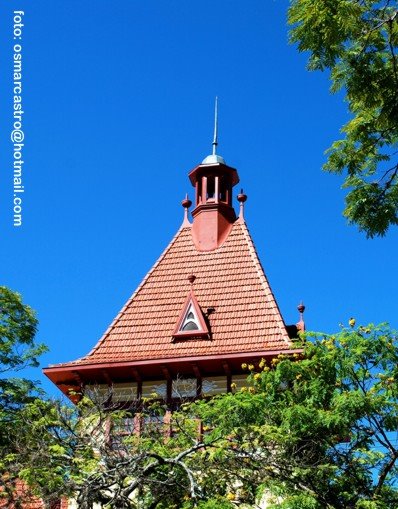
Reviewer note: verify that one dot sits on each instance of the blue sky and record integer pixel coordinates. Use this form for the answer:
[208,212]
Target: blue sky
[118,100]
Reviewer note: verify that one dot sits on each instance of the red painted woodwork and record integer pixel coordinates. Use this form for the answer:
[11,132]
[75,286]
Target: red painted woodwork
[203,331]
[214,214]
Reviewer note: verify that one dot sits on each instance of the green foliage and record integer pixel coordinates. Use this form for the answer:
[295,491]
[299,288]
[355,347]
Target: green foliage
[216,503]
[318,428]
[52,449]
[312,430]
[357,42]
[300,501]
[18,350]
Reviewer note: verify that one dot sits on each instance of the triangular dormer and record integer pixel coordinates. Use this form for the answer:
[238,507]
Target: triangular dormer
[191,322]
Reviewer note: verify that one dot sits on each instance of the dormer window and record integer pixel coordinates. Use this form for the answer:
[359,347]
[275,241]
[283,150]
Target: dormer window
[191,323]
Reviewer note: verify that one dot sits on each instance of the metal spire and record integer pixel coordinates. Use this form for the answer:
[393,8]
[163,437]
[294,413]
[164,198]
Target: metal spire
[214,158]
[215,140]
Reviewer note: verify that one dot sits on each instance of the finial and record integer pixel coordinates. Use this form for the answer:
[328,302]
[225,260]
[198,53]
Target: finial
[186,203]
[191,278]
[215,139]
[241,199]
[300,324]
[214,158]
[301,309]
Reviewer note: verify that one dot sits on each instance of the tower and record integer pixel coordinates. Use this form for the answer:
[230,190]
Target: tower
[213,215]
[204,309]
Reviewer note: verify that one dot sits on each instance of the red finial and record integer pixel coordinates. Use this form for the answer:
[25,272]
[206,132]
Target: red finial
[241,199]
[300,324]
[191,278]
[186,203]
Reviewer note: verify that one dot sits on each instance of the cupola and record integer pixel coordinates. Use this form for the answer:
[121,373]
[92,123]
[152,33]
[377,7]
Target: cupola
[213,215]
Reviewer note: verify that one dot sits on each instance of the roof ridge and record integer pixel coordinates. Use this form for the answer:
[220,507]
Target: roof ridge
[264,280]
[137,290]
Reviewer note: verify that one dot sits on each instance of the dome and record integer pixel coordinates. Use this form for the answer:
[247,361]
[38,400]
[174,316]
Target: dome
[213,159]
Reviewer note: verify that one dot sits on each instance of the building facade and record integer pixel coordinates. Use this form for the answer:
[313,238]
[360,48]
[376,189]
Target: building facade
[203,310]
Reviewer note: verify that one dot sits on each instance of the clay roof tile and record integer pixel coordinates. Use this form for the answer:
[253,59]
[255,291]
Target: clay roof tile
[229,279]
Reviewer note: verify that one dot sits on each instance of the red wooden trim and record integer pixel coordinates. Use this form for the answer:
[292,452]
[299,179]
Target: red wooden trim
[203,331]
[169,360]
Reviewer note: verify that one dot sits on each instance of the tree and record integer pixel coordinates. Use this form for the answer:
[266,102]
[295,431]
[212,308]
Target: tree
[357,41]
[18,325]
[315,430]
[319,429]
[92,452]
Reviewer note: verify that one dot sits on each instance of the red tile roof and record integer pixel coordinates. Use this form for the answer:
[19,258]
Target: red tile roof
[229,279]
[22,498]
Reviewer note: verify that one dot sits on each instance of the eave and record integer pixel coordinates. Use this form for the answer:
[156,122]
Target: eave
[72,376]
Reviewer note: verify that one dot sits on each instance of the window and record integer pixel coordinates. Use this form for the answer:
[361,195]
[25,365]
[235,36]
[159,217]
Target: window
[214,386]
[239,381]
[184,388]
[222,195]
[191,323]
[210,188]
[99,393]
[155,389]
[123,392]
[120,429]
[152,424]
